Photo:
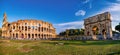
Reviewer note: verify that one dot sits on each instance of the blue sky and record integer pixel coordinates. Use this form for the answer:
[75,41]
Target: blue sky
[63,14]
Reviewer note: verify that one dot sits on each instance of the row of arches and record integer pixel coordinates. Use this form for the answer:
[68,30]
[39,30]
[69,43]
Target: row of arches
[32,36]
[34,28]
[95,31]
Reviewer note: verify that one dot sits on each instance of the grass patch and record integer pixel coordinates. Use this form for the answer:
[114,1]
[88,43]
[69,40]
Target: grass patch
[47,47]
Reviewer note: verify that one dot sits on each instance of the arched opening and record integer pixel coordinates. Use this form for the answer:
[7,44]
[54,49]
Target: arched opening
[13,27]
[8,25]
[104,33]
[28,36]
[25,28]
[39,29]
[25,35]
[16,35]
[32,35]
[47,29]
[22,28]
[42,29]
[22,36]
[35,35]
[95,30]
[19,27]
[44,37]
[13,35]
[88,33]
[39,35]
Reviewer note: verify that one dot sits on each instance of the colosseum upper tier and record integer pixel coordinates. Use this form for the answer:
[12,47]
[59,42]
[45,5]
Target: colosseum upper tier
[27,29]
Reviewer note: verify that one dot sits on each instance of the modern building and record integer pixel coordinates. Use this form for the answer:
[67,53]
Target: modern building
[27,29]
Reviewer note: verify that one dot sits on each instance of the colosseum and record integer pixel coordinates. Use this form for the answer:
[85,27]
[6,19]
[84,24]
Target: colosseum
[27,29]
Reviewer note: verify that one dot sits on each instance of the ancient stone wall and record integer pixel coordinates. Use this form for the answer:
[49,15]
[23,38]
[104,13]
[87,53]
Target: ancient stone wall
[29,29]
[99,25]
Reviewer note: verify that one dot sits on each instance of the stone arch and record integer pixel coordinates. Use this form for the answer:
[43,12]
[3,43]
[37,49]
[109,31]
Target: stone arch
[88,33]
[22,27]
[39,35]
[19,27]
[95,30]
[103,21]
[35,35]
[29,36]
[32,35]
[42,29]
[46,36]
[104,33]
[39,29]
[42,36]
[13,35]
[13,27]
[16,35]
[22,36]
[25,35]
[25,28]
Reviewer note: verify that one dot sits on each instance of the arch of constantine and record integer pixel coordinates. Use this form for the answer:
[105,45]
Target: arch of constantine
[98,26]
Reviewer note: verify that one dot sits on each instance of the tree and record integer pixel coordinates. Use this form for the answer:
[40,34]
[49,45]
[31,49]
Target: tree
[117,27]
[67,32]
[82,31]
[72,32]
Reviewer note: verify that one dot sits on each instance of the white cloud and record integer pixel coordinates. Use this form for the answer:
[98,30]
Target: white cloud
[114,24]
[118,0]
[69,25]
[80,13]
[115,18]
[114,7]
[89,3]
[86,1]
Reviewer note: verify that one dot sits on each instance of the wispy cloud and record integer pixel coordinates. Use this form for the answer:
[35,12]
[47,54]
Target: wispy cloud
[80,13]
[115,20]
[69,25]
[86,1]
[118,0]
[89,3]
[114,9]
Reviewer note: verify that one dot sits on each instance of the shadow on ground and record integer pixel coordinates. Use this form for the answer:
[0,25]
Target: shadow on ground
[107,42]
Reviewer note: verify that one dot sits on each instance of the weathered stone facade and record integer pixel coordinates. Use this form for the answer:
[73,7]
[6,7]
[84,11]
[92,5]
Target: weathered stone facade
[27,29]
[98,25]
